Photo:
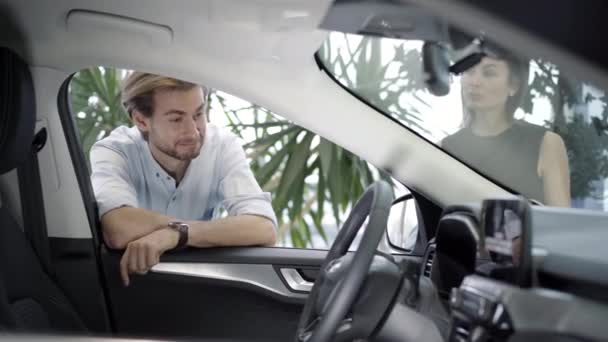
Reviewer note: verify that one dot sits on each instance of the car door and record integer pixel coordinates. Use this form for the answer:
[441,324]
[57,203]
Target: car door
[254,293]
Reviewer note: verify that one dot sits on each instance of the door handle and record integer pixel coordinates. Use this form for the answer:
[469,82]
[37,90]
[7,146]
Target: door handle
[294,280]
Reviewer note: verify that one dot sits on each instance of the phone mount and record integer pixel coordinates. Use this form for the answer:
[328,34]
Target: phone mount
[507,233]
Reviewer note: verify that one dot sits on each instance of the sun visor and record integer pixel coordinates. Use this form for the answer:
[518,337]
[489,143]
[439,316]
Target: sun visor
[114,28]
[386,19]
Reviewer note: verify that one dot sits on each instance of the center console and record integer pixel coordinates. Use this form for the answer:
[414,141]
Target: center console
[478,315]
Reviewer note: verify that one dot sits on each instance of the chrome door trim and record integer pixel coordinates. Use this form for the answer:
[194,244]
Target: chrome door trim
[295,281]
[262,277]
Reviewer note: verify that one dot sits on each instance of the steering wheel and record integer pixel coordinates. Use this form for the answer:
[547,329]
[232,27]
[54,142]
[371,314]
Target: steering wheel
[340,278]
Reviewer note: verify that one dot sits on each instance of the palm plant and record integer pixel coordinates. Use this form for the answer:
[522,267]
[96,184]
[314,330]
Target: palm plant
[311,178]
[95,102]
[386,73]
[309,175]
[306,174]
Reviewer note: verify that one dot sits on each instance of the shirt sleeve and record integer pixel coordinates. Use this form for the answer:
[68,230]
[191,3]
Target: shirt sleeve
[111,181]
[239,191]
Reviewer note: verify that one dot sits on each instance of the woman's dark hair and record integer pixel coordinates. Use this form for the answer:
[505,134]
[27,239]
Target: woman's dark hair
[519,72]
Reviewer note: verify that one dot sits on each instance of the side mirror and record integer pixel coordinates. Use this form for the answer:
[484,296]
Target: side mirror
[402,226]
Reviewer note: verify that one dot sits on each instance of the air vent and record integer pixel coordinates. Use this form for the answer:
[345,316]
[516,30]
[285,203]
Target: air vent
[428,263]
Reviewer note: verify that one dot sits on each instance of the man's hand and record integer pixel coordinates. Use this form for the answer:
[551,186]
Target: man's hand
[143,253]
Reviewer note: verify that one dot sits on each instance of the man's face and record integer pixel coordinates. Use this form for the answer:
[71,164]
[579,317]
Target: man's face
[177,126]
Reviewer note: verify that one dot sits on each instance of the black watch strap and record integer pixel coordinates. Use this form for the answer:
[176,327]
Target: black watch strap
[182,229]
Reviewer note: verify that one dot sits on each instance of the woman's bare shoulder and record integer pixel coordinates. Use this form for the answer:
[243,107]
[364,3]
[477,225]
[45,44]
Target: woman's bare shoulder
[552,141]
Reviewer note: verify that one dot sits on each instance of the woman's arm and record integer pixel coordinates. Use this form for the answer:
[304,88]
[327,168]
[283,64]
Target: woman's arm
[554,170]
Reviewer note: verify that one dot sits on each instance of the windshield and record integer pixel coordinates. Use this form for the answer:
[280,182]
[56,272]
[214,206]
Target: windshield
[522,123]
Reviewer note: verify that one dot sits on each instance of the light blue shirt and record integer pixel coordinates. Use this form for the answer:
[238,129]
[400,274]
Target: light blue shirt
[124,173]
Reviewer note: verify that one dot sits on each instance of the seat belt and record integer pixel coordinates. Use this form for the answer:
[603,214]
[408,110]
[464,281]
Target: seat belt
[32,203]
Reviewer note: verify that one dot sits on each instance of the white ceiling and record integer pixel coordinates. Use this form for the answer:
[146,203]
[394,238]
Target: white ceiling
[123,31]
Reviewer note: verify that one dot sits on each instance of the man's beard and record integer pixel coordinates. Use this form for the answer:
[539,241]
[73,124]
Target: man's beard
[173,152]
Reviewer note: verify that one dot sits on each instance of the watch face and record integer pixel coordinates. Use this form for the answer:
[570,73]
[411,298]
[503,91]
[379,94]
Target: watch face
[176,224]
[182,228]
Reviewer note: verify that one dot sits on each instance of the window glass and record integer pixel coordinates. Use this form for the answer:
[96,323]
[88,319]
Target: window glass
[313,182]
[522,123]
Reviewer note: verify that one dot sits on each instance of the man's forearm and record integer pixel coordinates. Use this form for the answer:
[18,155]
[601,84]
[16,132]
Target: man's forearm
[243,230]
[126,224]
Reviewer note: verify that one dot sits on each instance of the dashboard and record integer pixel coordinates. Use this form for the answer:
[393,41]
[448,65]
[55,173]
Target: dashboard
[562,295]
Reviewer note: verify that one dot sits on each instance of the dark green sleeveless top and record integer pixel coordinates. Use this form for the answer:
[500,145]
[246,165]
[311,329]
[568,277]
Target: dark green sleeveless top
[511,158]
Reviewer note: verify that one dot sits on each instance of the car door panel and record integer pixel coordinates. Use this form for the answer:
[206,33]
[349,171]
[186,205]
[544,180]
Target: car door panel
[236,293]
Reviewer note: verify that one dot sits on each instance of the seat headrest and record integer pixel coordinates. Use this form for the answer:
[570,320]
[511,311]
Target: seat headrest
[17,110]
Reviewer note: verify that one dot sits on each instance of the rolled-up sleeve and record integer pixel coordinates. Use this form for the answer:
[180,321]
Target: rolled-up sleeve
[110,178]
[239,191]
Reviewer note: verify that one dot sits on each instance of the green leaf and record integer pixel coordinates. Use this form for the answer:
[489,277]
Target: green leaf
[297,195]
[349,192]
[80,81]
[362,173]
[272,138]
[321,199]
[100,88]
[326,155]
[355,179]
[306,230]
[110,79]
[296,164]
[318,221]
[315,165]
[335,190]
[265,173]
[296,238]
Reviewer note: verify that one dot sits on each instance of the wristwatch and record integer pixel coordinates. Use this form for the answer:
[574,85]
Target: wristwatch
[182,229]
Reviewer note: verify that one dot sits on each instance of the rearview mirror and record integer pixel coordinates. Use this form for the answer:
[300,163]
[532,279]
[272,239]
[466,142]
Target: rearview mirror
[402,226]
[436,66]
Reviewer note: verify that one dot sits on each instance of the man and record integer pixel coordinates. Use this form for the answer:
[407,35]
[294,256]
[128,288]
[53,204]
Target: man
[157,183]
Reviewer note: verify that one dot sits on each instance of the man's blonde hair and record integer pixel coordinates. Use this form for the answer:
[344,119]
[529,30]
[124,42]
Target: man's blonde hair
[138,91]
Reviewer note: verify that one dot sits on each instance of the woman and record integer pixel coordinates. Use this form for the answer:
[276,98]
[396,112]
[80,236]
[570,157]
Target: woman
[529,158]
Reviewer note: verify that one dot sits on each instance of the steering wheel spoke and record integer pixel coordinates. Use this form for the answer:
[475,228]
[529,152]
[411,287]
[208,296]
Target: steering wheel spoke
[344,328]
[306,333]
